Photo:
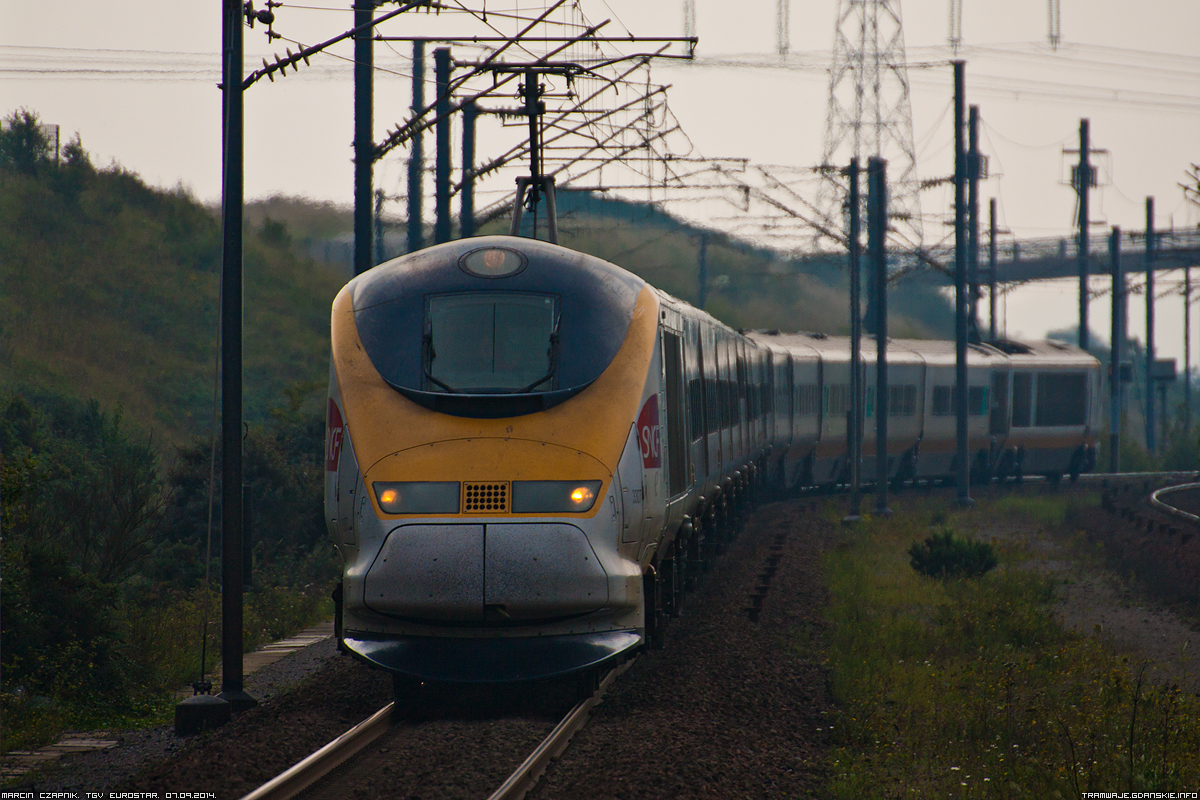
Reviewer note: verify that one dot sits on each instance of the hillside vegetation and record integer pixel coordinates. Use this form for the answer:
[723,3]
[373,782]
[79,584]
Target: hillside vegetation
[109,314]
[110,291]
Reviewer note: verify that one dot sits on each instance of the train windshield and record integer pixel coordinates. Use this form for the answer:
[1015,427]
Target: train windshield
[490,343]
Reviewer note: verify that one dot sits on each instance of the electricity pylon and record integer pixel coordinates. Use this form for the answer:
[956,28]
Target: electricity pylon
[869,111]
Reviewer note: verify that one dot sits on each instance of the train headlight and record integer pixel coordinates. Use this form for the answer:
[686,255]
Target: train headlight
[418,497]
[532,497]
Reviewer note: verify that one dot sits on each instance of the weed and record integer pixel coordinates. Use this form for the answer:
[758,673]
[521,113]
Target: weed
[943,556]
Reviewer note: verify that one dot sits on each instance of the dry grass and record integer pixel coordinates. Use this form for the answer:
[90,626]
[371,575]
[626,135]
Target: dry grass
[971,689]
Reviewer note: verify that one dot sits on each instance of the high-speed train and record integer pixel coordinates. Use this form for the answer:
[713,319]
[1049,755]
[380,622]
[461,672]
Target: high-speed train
[531,452]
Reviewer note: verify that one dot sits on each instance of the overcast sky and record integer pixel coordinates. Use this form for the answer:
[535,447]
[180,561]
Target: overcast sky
[137,82]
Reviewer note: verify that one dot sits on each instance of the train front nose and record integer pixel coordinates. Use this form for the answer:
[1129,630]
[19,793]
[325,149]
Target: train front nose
[487,572]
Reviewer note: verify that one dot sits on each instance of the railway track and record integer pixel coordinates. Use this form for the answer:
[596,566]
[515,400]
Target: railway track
[1156,500]
[327,771]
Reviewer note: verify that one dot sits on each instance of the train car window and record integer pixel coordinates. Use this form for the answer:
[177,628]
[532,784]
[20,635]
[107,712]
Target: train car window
[837,399]
[902,401]
[676,441]
[945,403]
[1022,400]
[768,386]
[807,398]
[977,401]
[1061,398]
[722,404]
[491,342]
[712,405]
[695,410]
[783,389]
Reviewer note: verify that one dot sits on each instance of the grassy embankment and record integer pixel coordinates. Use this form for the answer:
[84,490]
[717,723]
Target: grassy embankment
[110,291]
[109,295]
[970,688]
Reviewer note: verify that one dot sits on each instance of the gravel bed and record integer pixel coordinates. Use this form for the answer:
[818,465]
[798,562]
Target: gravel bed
[102,769]
[449,753]
[264,741]
[730,708]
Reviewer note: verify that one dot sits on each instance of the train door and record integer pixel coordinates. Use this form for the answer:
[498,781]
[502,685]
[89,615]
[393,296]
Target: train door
[728,417]
[676,440]
[784,405]
[708,366]
[741,412]
[768,399]
[694,378]
[998,425]
[762,395]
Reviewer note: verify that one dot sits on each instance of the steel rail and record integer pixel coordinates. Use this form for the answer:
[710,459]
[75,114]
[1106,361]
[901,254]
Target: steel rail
[1172,510]
[303,774]
[526,776]
[312,768]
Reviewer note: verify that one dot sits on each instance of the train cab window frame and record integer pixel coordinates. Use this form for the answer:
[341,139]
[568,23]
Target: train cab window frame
[460,319]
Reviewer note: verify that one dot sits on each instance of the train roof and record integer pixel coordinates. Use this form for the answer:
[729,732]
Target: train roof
[933,351]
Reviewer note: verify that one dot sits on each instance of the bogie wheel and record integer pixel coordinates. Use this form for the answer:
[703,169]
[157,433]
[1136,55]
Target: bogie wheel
[667,590]
[656,620]
[692,562]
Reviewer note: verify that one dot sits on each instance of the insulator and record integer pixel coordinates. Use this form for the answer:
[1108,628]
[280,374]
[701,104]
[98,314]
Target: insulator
[267,71]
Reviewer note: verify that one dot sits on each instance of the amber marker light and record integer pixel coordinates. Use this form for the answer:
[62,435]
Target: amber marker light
[550,497]
[418,497]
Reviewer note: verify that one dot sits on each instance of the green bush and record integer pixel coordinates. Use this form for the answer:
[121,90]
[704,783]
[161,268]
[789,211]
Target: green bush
[103,561]
[943,556]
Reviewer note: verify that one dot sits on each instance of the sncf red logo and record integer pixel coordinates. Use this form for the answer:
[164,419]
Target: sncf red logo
[333,437]
[649,433]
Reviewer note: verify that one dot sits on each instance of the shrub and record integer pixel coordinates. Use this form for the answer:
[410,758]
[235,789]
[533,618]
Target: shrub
[943,556]
[24,146]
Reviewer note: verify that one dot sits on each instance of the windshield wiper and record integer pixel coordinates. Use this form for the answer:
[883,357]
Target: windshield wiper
[553,353]
[428,354]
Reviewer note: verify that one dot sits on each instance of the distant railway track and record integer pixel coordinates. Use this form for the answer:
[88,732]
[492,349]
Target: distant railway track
[1157,501]
[324,772]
